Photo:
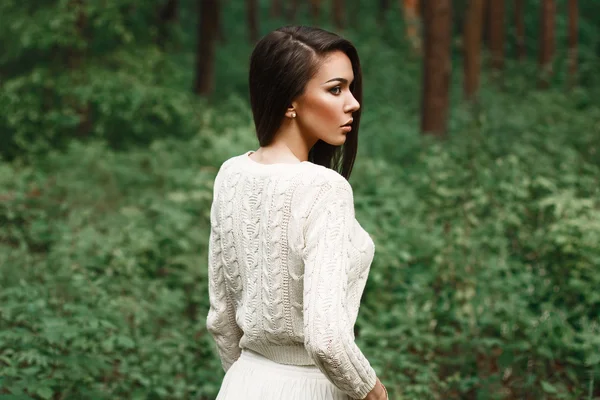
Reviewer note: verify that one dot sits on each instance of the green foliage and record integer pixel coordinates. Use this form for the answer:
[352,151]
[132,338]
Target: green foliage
[484,280]
[85,72]
[103,275]
[484,283]
[485,276]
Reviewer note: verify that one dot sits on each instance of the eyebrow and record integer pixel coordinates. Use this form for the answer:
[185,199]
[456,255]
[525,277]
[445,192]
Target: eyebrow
[343,80]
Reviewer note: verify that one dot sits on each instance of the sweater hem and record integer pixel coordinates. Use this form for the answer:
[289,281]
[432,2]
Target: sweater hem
[290,354]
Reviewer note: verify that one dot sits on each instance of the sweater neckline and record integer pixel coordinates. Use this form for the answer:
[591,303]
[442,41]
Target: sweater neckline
[250,163]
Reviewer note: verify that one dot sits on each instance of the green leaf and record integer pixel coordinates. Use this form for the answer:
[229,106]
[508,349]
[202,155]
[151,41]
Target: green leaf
[44,392]
[549,388]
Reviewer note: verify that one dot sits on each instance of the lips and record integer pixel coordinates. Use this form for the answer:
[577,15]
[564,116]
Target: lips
[349,123]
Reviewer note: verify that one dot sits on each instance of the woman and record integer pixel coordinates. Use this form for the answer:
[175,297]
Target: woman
[288,261]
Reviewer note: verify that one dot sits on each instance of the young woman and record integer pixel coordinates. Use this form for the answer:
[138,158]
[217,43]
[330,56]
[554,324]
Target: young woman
[288,261]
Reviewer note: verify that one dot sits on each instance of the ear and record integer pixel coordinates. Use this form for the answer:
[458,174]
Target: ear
[291,110]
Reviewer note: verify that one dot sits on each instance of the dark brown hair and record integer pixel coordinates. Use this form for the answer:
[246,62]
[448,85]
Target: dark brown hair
[281,65]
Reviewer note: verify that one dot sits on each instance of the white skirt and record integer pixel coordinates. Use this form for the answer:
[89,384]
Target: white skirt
[255,377]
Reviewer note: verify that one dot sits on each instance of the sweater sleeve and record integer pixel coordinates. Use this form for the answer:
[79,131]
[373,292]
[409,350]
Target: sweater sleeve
[220,321]
[329,335]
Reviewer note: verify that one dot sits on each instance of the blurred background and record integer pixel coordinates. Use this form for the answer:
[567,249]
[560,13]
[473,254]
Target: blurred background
[477,177]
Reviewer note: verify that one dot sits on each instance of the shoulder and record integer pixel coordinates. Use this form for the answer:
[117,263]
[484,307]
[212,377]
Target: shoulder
[227,167]
[228,164]
[320,187]
[325,181]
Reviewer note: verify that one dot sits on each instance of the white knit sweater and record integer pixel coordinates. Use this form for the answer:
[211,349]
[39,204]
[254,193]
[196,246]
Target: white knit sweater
[288,263]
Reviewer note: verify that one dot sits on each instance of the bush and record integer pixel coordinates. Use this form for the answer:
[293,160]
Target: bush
[483,284]
[87,72]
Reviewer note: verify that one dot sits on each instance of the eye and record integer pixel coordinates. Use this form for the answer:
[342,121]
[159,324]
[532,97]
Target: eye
[336,90]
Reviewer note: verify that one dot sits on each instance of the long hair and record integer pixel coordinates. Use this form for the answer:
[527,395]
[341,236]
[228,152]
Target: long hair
[281,65]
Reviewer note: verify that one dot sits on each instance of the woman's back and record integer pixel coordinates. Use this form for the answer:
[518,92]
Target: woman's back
[288,266]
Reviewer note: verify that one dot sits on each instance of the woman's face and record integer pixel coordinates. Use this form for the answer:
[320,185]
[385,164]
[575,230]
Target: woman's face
[327,102]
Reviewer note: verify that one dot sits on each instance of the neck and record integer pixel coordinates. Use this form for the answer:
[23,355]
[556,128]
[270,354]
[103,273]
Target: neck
[289,142]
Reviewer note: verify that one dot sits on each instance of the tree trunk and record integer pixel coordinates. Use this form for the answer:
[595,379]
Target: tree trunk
[486,26]
[205,51]
[473,29]
[436,67]
[75,56]
[412,19]
[292,10]
[166,15]
[219,21]
[75,61]
[168,11]
[315,10]
[497,11]
[520,29]
[354,14]
[338,13]
[573,42]
[384,6]
[547,42]
[275,8]
[252,13]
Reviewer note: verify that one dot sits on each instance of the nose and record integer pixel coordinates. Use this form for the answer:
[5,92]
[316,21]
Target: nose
[352,105]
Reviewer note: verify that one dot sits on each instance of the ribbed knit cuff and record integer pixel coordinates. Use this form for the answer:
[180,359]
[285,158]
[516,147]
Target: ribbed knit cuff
[367,387]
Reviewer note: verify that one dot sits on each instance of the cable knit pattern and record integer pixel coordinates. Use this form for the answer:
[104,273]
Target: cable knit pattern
[288,263]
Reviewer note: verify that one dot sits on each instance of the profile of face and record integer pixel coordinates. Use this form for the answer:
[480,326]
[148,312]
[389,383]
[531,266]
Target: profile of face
[327,102]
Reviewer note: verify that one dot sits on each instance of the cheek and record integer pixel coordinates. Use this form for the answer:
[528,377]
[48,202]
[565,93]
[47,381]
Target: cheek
[323,108]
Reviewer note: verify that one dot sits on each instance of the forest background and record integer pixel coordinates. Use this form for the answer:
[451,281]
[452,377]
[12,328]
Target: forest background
[482,198]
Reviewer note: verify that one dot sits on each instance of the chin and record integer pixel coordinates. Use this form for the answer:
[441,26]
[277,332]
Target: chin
[338,141]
